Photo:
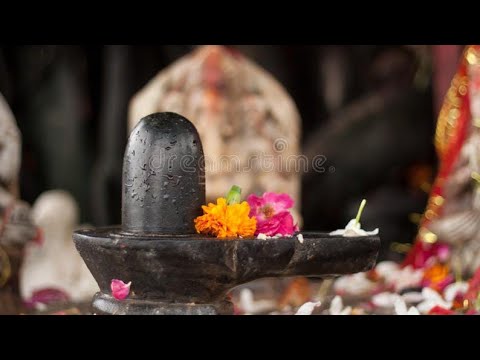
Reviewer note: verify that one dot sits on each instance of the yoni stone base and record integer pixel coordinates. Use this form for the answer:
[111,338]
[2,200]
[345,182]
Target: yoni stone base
[107,305]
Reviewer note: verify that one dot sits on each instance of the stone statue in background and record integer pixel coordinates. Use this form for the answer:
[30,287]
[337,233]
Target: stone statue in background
[16,228]
[249,126]
[55,264]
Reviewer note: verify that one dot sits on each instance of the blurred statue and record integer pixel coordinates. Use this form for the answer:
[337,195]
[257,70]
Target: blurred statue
[56,264]
[10,145]
[16,228]
[250,127]
[453,212]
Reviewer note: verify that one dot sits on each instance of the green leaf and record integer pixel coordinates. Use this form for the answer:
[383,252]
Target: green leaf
[234,195]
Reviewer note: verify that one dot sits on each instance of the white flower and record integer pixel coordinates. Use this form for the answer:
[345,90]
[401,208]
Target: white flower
[307,308]
[452,290]
[353,228]
[401,308]
[336,307]
[432,299]
[355,284]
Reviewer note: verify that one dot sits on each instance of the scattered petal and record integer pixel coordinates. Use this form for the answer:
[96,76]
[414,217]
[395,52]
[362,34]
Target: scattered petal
[413,297]
[336,307]
[439,310]
[355,284]
[47,296]
[262,236]
[249,306]
[300,238]
[385,299]
[452,290]
[400,307]
[432,299]
[120,290]
[413,311]
[307,308]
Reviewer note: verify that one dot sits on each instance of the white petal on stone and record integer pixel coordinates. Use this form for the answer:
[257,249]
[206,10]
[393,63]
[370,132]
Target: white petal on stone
[251,307]
[385,268]
[432,299]
[385,299]
[300,238]
[336,306]
[352,224]
[399,278]
[307,308]
[431,294]
[413,311]
[453,289]
[346,311]
[262,236]
[413,297]
[354,229]
[425,306]
[400,307]
[355,284]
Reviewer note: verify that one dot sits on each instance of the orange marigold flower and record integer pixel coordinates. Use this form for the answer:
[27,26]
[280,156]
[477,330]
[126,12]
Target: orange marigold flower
[437,276]
[222,220]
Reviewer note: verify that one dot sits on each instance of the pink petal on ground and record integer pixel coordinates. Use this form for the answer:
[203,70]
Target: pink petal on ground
[120,290]
[47,296]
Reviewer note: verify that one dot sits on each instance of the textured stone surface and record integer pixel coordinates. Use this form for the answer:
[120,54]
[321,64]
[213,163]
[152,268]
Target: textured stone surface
[202,270]
[163,176]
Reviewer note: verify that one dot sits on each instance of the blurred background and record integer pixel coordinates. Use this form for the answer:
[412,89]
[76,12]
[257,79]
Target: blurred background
[369,109]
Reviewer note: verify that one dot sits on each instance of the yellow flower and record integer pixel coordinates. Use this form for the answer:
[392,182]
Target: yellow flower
[222,220]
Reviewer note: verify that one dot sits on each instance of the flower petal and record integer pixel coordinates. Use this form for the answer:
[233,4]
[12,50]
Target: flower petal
[120,290]
[279,202]
[307,308]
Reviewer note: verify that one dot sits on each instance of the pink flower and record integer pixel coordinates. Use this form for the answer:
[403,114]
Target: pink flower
[120,290]
[272,213]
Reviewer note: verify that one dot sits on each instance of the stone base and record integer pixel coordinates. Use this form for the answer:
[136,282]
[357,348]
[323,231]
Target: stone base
[107,305]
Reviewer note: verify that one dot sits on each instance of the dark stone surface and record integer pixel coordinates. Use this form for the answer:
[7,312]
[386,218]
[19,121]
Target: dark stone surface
[163,176]
[105,304]
[202,270]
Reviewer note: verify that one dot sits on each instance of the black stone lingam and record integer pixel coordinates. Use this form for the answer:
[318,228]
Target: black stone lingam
[173,270]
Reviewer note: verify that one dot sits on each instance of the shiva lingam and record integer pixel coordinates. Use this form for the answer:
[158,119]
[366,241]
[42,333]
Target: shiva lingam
[172,269]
